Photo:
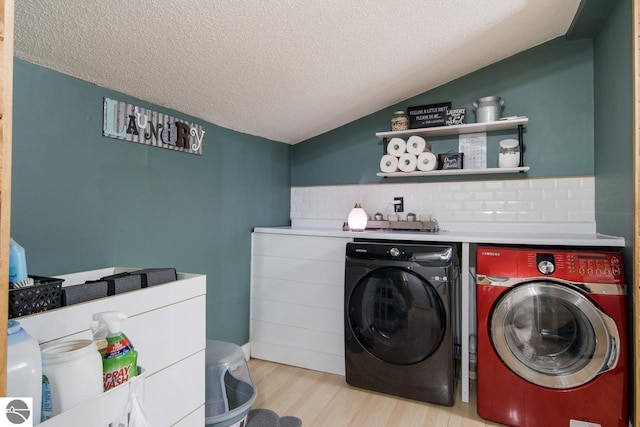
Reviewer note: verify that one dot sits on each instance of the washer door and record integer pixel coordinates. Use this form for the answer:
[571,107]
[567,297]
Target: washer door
[397,315]
[552,335]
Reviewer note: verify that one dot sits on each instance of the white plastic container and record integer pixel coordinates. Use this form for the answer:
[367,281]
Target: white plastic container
[509,153]
[24,367]
[73,371]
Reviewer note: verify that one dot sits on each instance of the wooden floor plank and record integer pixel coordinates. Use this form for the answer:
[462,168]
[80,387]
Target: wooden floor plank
[326,400]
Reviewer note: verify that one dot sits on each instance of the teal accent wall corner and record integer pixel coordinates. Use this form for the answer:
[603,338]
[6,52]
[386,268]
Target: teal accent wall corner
[552,84]
[614,149]
[82,201]
[613,65]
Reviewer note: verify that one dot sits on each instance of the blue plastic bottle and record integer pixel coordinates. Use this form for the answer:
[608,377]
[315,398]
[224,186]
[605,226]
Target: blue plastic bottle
[17,262]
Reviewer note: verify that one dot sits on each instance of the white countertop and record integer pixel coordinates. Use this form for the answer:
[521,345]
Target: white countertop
[510,238]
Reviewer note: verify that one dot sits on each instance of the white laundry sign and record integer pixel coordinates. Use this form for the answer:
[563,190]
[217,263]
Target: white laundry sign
[130,122]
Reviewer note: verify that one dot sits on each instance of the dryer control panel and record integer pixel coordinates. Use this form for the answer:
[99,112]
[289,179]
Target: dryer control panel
[578,266]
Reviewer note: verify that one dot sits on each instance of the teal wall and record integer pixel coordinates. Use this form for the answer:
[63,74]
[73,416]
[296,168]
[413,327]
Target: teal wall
[613,118]
[552,84]
[613,82]
[82,201]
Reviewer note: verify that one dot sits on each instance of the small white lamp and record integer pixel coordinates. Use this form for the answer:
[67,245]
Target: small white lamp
[357,219]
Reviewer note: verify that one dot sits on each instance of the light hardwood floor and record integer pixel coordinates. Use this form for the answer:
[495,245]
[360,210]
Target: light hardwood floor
[326,400]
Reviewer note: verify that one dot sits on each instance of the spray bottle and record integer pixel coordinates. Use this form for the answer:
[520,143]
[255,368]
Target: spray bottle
[17,262]
[119,358]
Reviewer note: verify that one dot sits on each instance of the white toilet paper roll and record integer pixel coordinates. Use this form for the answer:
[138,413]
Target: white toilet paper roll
[407,162]
[427,161]
[396,147]
[389,163]
[417,144]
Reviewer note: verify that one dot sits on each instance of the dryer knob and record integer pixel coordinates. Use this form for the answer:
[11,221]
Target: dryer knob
[394,252]
[546,267]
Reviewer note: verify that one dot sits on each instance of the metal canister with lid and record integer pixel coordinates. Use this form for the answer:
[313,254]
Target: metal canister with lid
[399,121]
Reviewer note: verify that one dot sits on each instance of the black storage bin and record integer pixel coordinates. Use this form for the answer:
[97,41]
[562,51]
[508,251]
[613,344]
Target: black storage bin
[84,292]
[43,295]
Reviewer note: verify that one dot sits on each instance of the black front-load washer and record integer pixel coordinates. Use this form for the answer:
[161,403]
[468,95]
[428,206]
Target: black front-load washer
[401,327]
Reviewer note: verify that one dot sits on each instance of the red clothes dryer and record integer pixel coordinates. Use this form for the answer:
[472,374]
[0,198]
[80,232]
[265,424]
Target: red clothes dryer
[551,337]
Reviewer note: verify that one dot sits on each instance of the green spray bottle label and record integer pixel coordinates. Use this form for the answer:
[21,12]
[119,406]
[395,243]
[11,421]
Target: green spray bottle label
[119,362]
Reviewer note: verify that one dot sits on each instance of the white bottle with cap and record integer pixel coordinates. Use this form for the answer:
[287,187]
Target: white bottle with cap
[72,374]
[24,367]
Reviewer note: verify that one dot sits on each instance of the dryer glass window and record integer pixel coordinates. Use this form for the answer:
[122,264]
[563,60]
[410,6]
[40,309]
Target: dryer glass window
[549,335]
[397,315]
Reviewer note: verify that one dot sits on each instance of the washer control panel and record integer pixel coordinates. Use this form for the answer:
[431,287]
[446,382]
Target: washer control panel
[579,266]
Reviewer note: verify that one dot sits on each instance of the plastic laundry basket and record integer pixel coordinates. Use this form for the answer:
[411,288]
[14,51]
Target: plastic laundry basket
[229,390]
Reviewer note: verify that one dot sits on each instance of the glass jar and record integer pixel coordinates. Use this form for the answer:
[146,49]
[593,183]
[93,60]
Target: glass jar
[509,153]
[399,121]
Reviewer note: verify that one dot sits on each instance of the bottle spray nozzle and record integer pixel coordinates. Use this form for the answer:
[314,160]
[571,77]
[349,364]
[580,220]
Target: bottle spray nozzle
[108,321]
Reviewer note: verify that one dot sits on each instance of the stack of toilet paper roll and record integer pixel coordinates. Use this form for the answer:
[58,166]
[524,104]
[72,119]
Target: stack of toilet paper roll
[408,156]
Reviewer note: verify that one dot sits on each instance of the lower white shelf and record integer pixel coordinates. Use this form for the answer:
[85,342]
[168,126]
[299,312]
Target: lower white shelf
[101,410]
[486,171]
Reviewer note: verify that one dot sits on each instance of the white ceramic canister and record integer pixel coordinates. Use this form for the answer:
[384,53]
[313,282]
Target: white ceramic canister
[24,367]
[72,374]
[509,153]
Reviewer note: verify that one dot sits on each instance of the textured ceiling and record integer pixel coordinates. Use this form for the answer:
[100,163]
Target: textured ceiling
[280,69]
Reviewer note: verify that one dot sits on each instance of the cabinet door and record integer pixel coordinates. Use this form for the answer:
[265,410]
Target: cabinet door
[297,300]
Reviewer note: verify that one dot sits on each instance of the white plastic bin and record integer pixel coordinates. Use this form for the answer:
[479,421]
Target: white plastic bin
[229,391]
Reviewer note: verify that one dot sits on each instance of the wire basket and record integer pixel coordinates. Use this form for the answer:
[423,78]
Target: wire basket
[43,295]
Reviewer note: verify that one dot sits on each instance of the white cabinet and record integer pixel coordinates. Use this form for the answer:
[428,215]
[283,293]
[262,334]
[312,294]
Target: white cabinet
[297,300]
[516,123]
[167,326]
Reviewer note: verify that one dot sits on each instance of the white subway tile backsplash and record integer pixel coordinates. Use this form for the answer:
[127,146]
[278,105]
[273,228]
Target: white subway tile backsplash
[506,195]
[483,216]
[580,216]
[530,194]
[463,195]
[517,184]
[494,185]
[555,194]
[529,216]
[550,200]
[512,205]
[464,216]
[555,216]
[473,186]
[581,193]
[543,184]
[473,206]
[495,206]
[484,195]
[569,205]
[502,216]
[544,205]
[587,205]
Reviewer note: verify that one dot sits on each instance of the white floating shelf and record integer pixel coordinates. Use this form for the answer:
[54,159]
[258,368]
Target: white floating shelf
[458,129]
[486,171]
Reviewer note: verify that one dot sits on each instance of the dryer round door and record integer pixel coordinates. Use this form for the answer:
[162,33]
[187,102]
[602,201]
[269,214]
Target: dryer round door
[396,315]
[552,335]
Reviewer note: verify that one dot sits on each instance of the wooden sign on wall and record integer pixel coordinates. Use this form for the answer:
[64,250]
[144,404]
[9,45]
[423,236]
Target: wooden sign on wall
[129,122]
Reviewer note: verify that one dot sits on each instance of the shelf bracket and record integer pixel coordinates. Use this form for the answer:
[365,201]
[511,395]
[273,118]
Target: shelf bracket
[521,144]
